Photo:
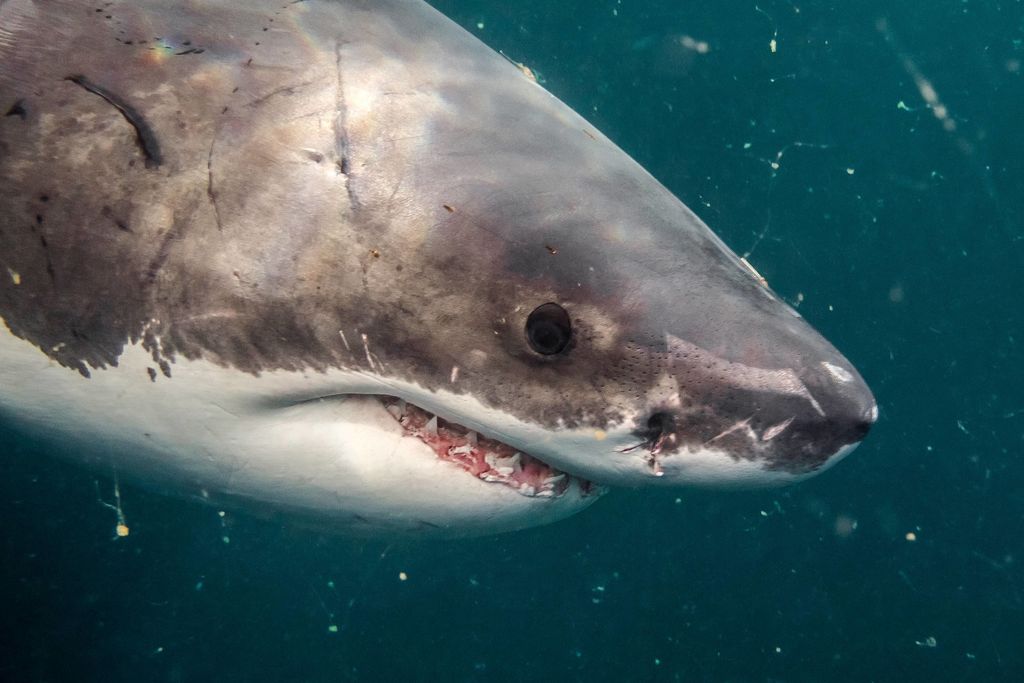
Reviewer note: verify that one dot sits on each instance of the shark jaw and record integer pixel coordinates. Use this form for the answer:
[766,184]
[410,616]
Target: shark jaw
[486,459]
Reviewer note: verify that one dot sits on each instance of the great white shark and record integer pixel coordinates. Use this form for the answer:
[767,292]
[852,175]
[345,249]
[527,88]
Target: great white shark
[338,258]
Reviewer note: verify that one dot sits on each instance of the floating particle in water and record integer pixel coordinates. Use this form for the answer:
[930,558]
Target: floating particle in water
[845,525]
[690,43]
[911,536]
[332,628]
[773,44]
[402,576]
[121,527]
[927,642]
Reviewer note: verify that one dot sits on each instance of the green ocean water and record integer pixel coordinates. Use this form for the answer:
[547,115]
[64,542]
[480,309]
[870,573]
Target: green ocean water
[869,157]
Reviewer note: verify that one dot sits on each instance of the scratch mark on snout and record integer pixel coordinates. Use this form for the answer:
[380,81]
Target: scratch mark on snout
[742,425]
[775,430]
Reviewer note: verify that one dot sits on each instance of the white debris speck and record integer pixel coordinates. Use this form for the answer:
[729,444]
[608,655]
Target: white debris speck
[773,45]
[850,171]
[455,374]
[911,536]
[699,46]
[480,25]
[927,642]
[15,276]
[402,576]
[332,628]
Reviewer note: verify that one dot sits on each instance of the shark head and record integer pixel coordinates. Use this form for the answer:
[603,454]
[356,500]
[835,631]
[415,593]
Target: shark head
[384,278]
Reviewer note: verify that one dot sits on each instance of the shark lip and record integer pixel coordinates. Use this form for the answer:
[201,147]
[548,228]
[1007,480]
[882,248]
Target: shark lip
[486,459]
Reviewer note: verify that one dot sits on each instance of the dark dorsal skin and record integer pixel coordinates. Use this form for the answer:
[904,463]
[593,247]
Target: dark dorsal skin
[260,184]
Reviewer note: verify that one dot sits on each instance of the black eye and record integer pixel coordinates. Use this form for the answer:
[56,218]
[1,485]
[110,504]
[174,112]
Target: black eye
[548,329]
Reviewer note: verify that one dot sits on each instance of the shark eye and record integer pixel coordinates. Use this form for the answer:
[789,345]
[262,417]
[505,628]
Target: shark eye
[548,329]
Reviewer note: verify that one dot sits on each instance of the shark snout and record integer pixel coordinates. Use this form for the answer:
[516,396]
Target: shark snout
[852,408]
[786,423]
[838,414]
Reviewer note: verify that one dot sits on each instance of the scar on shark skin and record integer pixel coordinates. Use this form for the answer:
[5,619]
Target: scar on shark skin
[144,135]
[18,109]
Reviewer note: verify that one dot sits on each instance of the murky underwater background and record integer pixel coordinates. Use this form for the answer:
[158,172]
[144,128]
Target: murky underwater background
[869,156]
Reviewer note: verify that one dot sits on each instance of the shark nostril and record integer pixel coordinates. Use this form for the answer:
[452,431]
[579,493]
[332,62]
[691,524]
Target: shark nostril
[660,423]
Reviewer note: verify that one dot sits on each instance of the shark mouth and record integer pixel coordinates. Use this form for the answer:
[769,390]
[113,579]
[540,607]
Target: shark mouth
[486,459]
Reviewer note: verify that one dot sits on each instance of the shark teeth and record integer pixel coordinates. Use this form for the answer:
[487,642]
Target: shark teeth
[486,459]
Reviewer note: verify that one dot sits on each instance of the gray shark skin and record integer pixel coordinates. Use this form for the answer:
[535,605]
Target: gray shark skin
[217,217]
